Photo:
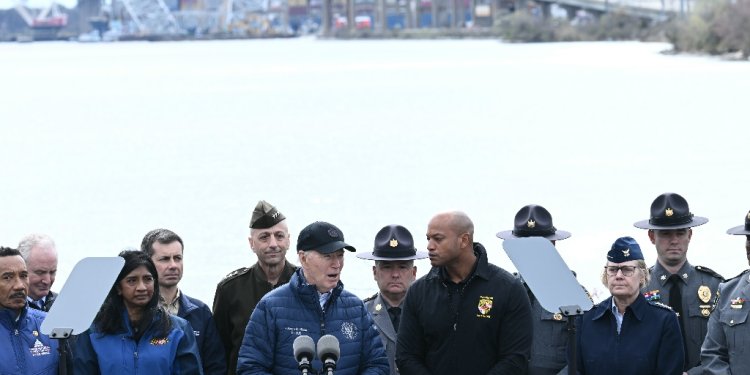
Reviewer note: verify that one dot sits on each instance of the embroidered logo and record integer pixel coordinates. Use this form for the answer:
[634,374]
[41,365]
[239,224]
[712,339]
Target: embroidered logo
[626,252]
[653,295]
[349,330]
[39,349]
[159,341]
[484,306]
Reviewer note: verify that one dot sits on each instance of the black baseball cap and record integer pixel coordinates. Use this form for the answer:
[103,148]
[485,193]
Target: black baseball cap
[322,237]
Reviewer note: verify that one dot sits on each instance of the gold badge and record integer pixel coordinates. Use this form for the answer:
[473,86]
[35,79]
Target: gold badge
[378,307]
[531,223]
[626,253]
[393,243]
[705,312]
[668,212]
[704,293]
[557,316]
[35,333]
[484,306]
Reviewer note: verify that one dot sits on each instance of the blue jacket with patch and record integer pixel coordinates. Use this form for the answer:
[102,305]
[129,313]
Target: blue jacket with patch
[206,334]
[293,310]
[23,349]
[649,342]
[113,354]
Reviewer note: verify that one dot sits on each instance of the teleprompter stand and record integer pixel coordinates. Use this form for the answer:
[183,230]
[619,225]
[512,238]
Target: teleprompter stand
[79,301]
[551,281]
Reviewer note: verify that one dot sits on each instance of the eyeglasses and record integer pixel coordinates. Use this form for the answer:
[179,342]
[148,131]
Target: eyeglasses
[626,270]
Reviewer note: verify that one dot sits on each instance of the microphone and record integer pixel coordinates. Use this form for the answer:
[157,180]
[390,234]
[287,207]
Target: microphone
[328,352]
[304,351]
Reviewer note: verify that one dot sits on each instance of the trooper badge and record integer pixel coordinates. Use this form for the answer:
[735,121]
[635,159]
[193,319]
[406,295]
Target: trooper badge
[704,293]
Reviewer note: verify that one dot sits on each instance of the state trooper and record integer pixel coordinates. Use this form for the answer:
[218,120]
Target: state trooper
[688,289]
[728,328]
[550,340]
[394,271]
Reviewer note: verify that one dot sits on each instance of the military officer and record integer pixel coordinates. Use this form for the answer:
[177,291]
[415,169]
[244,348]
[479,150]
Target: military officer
[394,271]
[688,289]
[550,341]
[239,292]
[728,328]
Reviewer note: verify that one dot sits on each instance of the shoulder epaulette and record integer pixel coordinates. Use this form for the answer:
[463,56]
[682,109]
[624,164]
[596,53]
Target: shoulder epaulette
[370,298]
[659,304]
[709,271]
[738,276]
[234,274]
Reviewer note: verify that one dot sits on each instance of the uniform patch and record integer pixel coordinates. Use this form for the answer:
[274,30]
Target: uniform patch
[349,330]
[484,306]
[737,303]
[653,295]
[156,341]
[39,349]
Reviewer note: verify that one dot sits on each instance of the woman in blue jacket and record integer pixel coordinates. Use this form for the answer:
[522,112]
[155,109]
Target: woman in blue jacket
[131,334]
[626,334]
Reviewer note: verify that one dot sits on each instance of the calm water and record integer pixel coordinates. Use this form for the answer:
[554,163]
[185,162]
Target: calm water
[101,143]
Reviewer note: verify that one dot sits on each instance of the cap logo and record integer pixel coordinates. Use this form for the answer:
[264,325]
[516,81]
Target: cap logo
[626,252]
[275,214]
[531,224]
[393,243]
[333,233]
[668,212]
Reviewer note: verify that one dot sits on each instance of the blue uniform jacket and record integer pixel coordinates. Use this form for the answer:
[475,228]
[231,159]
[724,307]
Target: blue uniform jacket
[113,354]
[649,342]
[23,349]
[206,335]
[292,310]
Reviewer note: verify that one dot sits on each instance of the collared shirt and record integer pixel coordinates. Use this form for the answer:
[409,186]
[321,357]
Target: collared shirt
[171,307]
[38,304]
[617,315]
[323,299]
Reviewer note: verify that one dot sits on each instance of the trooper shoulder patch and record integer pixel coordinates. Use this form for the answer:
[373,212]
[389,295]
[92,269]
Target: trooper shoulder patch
[659,304]
[709,271]
[370,298]
[234,274]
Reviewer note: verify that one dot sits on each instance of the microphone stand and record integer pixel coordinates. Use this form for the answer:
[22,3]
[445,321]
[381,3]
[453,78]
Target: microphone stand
[328,366]
[571,312]
[304,366]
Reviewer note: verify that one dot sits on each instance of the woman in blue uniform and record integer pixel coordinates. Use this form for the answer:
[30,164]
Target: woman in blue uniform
[626,334]
[131,334]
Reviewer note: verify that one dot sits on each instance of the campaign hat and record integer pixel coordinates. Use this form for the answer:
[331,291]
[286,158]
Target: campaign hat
[533,221]
[322,237]
[624,249]
[393,242]
[670,211]
[742,229]
[265,215]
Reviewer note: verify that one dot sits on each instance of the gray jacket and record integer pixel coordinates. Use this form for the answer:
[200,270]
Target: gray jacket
[698,293]
[723,352]
[376,307]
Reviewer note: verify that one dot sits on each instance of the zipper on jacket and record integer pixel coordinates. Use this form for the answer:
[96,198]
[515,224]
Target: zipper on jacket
[135,360]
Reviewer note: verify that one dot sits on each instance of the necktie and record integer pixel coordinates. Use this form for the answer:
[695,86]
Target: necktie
[395,313]
[675,302]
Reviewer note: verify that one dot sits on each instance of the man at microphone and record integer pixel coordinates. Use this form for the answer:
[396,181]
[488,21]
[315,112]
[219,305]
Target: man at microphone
[315,304]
